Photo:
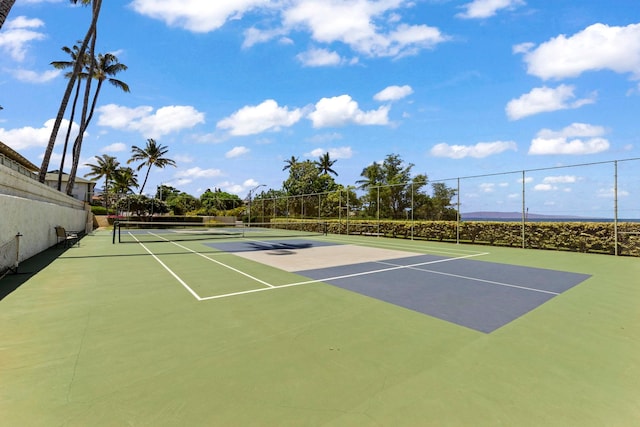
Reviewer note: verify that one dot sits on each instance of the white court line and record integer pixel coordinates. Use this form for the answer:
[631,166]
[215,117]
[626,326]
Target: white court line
[182,282]
[226,266]
[346,276]
[475,279]
[412,248]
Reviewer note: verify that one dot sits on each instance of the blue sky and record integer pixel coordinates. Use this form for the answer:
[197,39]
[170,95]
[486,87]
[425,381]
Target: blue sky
[458,88]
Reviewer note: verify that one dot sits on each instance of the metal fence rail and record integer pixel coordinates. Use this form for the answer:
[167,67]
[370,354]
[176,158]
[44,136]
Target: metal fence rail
[598,192]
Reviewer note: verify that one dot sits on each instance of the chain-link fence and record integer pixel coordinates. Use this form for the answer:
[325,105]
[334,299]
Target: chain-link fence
[590,207]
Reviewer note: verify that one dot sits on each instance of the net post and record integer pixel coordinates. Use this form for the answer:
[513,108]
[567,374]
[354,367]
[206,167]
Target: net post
[113,237]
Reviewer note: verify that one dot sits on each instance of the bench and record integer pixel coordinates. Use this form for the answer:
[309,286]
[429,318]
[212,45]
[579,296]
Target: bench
[69,238]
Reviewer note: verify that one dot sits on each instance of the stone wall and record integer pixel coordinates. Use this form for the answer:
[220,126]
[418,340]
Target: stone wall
[33,210]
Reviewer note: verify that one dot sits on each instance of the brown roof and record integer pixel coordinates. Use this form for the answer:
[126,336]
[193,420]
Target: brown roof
[16,157]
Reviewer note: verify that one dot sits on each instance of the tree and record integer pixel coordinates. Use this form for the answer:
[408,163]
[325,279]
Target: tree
[60,65]
[101,69]
[141,205]
[105,167]
[166,192]
[5,8]
[305,179]
[390,184]
[217,202]
[183,203]
[90,36]
[151,155]
[440,206]
[373,178]
[124,181]
[290,162]
[324,164]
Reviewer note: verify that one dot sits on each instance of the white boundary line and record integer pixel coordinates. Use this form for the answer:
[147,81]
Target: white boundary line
[475,279]
[346,276]
[225,265]
[182,282]
[407,246]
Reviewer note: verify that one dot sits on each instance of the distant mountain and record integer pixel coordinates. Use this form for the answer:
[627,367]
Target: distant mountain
[512,215]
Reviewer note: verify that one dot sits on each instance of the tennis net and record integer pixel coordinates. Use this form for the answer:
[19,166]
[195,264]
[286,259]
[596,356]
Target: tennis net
[144,231]
[9,255]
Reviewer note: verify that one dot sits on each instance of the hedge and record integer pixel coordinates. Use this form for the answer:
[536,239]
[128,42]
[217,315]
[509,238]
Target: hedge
[585,237]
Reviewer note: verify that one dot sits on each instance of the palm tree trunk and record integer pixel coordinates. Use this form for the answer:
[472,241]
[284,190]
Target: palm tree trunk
[67,94]
[66,139]
[5,8]
[84,123]
[145,179]
[77,146]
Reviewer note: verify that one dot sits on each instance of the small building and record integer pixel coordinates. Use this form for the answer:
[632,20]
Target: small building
[13,160]
[82,190]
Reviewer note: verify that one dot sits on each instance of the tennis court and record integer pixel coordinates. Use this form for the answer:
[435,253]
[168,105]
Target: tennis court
[311,329]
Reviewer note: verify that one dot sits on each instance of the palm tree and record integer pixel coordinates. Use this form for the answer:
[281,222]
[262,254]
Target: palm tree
[150,156]
[5,8]
[60,65]
[105,167]
[372,174]
[324,164]
[90,36]
[124,181]
[290,162]
[103,66]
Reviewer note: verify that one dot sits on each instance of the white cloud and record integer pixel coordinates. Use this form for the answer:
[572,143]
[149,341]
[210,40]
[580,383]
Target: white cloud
[610,193]
[165,120]
[319,58]
[29,76]
[27,137]
[196,15]
[236,152]
[527,180]
[487,187]
[393,93]
[545,99]
[544,187]
[564,179]
[597,47]
[254,36]
[16,35]
[576,139]
[234,188]
[334,153]
[353,23]
[480,150]
[183,158]
[267,116]
[479,9]
[115,148]
[197,172]
[369,27]
[342,110]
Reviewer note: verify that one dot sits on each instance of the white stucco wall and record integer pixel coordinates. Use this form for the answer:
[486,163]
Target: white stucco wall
[33,210]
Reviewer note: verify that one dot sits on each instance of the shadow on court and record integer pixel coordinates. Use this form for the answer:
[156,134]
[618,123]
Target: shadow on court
[29,268]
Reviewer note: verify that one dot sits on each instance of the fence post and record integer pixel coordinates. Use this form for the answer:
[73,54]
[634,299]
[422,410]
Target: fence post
[615,206]
[458,214]
[412,210]
[524,204]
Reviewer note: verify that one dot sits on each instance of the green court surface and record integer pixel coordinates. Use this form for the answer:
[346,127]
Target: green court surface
[118,335]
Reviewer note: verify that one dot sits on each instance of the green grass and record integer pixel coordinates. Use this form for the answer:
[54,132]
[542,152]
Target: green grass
[104,336]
